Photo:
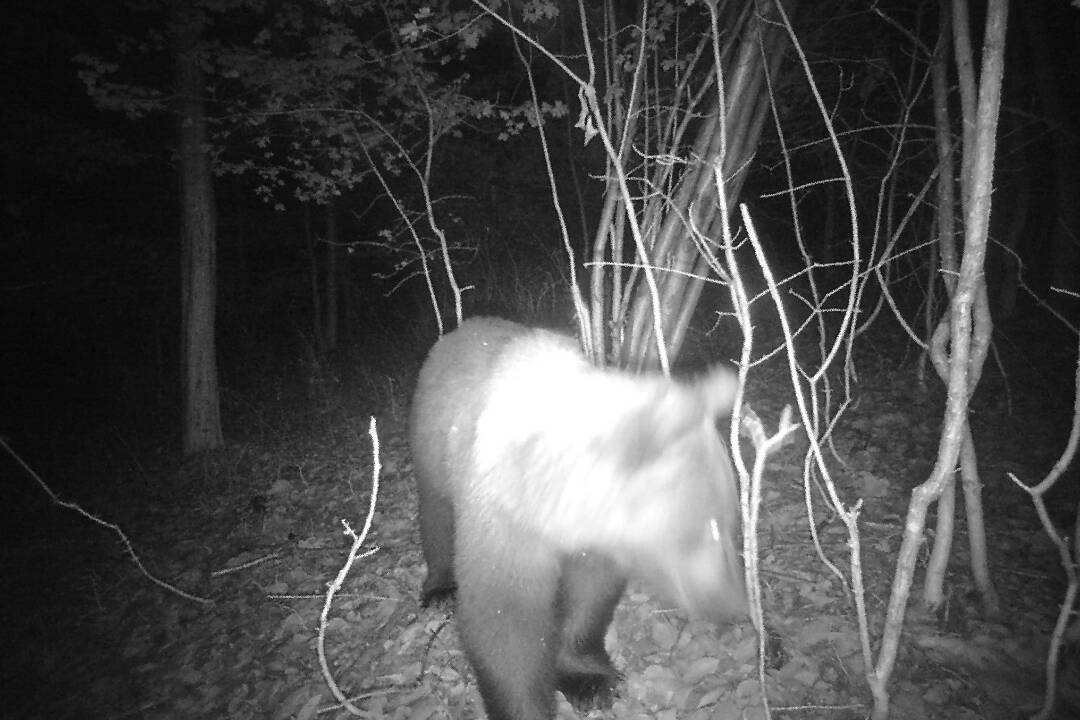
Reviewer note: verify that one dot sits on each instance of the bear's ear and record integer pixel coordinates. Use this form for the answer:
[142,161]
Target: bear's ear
[717,390]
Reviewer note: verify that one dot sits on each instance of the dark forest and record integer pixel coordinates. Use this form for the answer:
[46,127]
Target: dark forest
[794,329]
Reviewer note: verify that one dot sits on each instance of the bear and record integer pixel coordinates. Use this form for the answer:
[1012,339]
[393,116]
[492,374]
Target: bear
[544,482]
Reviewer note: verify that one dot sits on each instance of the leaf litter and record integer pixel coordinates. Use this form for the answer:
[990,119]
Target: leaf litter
[97,640]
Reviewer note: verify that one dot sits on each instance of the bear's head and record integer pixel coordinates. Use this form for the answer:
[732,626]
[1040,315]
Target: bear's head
[684,524]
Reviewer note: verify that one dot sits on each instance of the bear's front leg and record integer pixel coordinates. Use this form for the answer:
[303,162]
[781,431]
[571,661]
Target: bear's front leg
[507,592]
[590,588]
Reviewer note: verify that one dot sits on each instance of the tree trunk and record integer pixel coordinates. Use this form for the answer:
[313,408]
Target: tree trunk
[981,326]
[966,325]
[753,46]
[198,251]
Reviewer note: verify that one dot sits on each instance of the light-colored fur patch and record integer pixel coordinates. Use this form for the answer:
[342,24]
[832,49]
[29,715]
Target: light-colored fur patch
[530,440]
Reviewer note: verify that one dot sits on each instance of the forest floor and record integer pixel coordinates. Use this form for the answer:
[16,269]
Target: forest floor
[257,530]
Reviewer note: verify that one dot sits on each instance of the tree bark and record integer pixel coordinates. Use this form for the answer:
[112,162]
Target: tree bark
[975,174]
[201,417]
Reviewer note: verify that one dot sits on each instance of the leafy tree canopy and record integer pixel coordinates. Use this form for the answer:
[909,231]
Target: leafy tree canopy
[304,95]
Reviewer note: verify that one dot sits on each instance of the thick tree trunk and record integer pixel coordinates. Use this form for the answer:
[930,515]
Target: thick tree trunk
[198,247]
[753,48]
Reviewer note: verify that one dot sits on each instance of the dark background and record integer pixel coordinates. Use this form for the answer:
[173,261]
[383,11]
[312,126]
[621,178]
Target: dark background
[89,294]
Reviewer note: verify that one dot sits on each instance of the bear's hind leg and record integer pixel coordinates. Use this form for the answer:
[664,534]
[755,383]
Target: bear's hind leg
[590,588]
[437,540]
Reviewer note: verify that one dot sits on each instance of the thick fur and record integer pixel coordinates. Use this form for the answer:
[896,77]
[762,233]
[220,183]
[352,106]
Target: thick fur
[543,482]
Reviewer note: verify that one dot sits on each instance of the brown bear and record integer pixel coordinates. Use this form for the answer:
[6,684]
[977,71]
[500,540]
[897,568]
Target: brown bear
[545,482]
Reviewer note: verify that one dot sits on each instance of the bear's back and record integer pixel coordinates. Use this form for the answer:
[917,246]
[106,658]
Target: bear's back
[455,385]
